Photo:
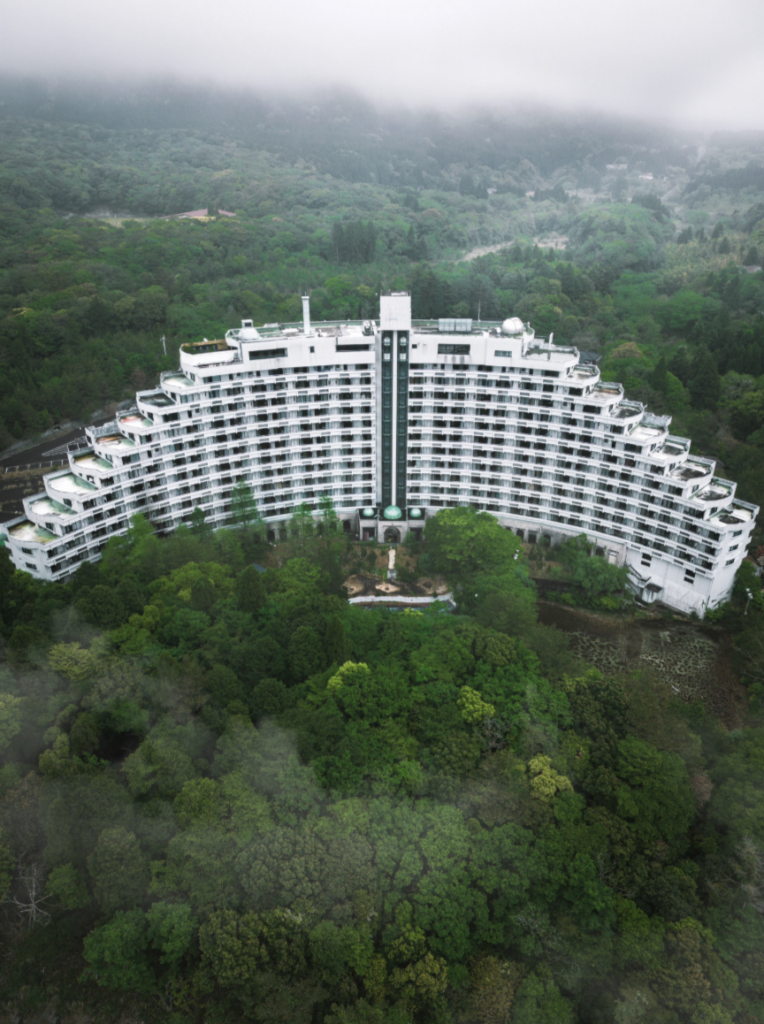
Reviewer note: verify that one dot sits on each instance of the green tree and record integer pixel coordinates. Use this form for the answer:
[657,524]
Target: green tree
[512,612]
[659,376]
[6,867]
[73,661]
[203,594]
[539,1001]
[330,523]
[172,927]
[68,886]
[85,734]
[705,384]
[306,653]
[11,717]
[416,977]
[269,697]
[77,810]
[118,869]
[546,782]
[302,528]
[199,525]
[102,607]
[250,590]
[117,953]
[657,795]
[335,643]
[462,542]
[160,766]
[472,707]
[143,550]
[243,506]
[598,577]
[592,902]
[594,574]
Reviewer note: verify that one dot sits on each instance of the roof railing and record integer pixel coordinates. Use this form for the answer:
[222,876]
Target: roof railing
[103,429]
[651,419]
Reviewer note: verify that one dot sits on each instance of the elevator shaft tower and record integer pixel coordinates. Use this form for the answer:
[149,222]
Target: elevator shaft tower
[393,345]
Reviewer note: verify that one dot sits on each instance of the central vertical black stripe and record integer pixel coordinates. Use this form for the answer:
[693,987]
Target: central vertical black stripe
[402,426]
[387,419]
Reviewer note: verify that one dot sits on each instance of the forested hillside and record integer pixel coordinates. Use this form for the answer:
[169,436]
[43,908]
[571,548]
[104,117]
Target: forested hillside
[229,795]
[344,201]
[84,303]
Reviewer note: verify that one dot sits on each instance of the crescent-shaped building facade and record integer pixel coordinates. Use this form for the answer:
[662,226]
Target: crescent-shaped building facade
[395,420]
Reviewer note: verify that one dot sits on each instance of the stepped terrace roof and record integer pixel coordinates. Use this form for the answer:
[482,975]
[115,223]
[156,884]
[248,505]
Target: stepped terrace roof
[158,399]
[93,462]
[717,490]
[200,348]
[29,531]
[178,380]
[46,506]
[134,420]
[116,441]
[71,484]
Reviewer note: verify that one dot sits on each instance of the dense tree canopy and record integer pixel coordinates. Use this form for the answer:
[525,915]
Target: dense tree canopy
[251,798]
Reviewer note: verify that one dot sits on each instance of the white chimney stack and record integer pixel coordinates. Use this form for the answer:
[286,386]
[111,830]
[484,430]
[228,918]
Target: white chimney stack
[306,316]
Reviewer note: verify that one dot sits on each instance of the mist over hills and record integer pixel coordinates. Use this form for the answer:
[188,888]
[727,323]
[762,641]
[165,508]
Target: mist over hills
[347,136]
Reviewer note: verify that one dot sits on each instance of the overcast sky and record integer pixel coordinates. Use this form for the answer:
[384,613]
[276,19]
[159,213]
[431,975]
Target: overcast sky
[698,63]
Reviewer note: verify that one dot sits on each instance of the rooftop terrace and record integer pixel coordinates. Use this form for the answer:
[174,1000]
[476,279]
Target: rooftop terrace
[625,410]
[730,519]
[158,399]
[27,531]
[92,462]
[178,380]
[555,355]
[644,434]
[583,371]
[200,348]
[671,448]
[70,484]
[116,441]
[651,419]
[717,490]
[736,512]
[45,506]
[134,421]
[690,471]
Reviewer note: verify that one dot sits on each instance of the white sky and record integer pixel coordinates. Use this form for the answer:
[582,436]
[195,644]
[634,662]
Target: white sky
[697,63]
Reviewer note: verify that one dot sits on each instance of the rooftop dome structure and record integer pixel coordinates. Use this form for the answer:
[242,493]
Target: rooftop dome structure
[513,325]
[392,512]
[248,332]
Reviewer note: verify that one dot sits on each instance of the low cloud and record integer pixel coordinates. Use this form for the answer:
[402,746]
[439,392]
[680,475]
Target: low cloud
[696,64]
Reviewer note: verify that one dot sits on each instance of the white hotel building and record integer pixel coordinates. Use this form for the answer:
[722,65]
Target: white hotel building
[396,420]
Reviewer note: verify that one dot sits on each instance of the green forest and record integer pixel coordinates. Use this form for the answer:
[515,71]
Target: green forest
[229,795]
